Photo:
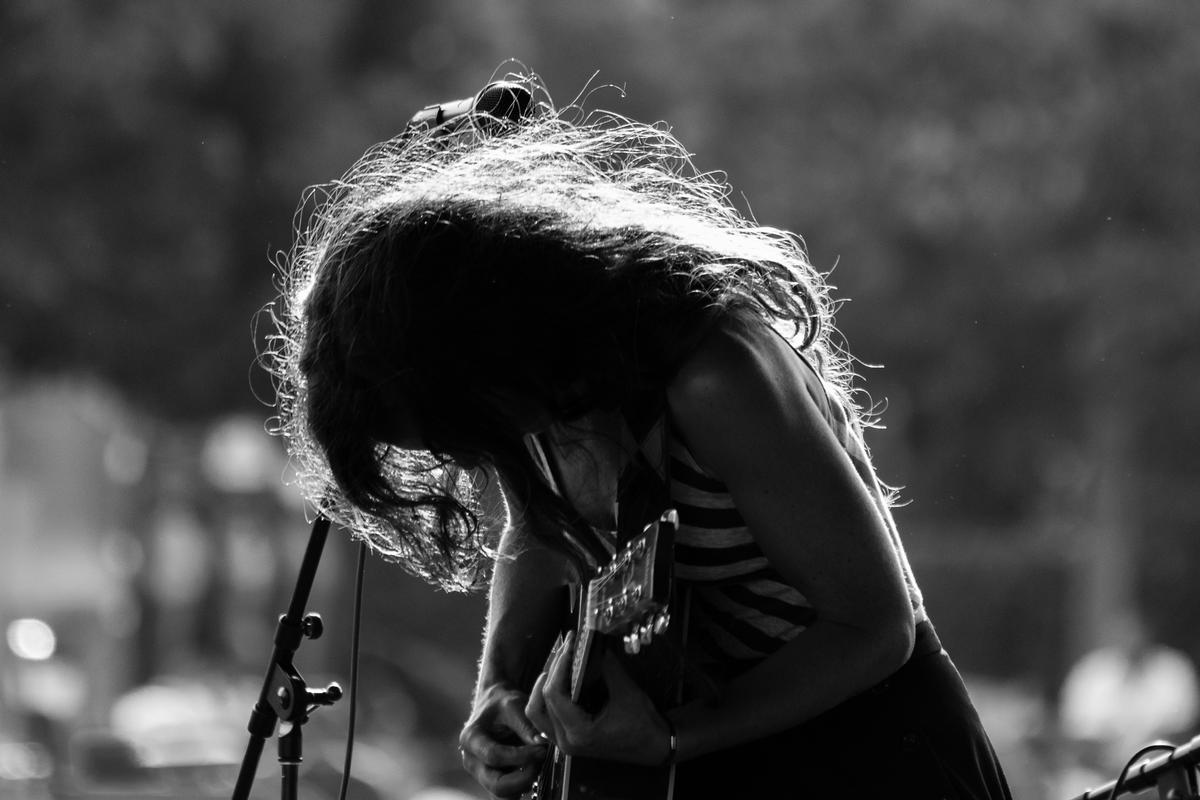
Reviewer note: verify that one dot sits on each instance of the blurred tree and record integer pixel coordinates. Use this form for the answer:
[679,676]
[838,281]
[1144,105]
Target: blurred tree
[1007,190]
[138,148]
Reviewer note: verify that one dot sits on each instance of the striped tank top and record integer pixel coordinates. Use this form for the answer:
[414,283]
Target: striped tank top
[741,609]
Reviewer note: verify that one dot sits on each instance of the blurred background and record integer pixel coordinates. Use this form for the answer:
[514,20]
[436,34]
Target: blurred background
[1007,196]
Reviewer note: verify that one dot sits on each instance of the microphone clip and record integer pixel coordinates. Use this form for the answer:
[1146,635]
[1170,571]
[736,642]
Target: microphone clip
[498,104]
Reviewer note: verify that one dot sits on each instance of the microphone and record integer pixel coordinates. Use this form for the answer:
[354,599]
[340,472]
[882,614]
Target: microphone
[502,101]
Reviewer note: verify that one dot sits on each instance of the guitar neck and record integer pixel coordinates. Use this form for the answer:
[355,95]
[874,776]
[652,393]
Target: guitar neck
[625,603]
[586,681]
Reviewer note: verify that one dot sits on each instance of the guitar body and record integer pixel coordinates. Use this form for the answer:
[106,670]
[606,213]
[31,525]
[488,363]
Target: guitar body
[588,779]
[565,777]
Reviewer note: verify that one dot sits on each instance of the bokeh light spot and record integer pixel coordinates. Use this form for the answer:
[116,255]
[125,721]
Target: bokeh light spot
[31,639]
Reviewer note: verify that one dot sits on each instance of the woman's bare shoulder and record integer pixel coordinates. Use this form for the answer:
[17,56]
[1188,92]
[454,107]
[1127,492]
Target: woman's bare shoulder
[740,362]
[741,382]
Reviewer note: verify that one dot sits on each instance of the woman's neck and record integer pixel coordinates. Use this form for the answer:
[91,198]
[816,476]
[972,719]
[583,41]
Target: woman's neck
[588,457]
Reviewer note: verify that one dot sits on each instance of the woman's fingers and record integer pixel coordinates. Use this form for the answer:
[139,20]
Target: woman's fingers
[550,681]
[501,748]
[490,754]
[514,782]
[572,724]
[504,770]
[535,708]
[506,783]
[513,717]
[557,691]
[558,678]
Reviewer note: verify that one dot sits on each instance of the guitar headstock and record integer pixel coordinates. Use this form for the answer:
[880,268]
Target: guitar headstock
[629,597]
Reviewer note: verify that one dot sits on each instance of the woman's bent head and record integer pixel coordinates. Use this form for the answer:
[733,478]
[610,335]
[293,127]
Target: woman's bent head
[451,294]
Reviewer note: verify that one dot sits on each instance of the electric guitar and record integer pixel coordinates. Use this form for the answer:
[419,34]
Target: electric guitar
[626,603]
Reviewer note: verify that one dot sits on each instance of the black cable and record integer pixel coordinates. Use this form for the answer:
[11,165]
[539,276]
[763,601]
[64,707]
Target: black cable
[356,629]
[1138,756]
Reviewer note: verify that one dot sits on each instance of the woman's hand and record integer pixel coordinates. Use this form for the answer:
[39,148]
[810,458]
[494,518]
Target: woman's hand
[627,728]
[500,746]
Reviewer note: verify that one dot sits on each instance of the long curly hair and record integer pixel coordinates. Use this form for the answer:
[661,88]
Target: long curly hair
[567,263]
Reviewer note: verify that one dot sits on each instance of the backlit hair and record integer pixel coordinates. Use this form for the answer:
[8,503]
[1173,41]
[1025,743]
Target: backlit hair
[572,262]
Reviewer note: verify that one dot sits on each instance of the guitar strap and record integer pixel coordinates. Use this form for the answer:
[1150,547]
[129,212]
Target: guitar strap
[643,484]
[643,494]
[642,488]
[591,549]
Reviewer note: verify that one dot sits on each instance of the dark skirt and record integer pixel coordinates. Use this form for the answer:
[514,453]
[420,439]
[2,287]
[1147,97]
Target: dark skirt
[915,735]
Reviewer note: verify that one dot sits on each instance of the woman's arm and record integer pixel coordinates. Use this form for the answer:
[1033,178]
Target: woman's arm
[744,407]
[501,747]
[526,604]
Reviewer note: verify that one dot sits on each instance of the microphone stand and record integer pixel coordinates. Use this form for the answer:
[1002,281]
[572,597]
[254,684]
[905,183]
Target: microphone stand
[1174,774]
[285,697]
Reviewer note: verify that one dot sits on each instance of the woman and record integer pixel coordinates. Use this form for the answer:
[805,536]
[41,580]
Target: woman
[493,310]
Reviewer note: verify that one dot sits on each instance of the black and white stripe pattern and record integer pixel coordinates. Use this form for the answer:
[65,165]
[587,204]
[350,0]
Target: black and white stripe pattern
[742,610]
